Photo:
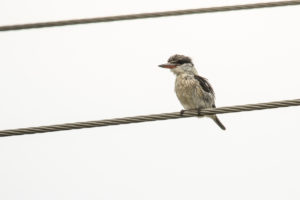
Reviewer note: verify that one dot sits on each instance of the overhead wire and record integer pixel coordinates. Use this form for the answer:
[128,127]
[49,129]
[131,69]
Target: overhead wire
[147,118]
[154,117]
[148,15]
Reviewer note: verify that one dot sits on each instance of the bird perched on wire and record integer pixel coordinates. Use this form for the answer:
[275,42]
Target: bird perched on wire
[192,90]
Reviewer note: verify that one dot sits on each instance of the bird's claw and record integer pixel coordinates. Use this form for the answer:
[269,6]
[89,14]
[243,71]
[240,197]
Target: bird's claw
[199,111]
[182,112]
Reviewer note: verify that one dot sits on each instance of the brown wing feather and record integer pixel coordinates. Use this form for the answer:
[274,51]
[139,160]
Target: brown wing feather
[206,86]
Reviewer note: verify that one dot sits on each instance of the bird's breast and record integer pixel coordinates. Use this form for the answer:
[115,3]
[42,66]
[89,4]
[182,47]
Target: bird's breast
[188,92]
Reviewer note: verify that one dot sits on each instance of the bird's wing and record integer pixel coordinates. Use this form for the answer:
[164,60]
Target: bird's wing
[206,86]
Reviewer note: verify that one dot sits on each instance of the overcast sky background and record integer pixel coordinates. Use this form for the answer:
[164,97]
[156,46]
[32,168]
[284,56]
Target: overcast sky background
[107,70]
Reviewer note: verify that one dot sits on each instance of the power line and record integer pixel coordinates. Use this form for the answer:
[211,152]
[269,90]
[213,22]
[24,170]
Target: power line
[146,118]
[148,15]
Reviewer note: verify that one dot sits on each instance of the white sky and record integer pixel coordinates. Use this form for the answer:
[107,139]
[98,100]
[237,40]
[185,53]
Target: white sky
[108,70]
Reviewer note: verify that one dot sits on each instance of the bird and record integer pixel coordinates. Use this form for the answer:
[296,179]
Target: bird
[192,90]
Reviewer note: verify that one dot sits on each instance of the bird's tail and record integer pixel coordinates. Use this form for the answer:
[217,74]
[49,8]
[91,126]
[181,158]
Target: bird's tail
[216,119]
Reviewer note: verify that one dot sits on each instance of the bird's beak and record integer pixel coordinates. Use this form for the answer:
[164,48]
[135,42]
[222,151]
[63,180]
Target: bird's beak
[168,65]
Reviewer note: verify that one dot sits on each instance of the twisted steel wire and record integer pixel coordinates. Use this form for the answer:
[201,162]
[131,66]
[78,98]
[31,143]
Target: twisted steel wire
[146,118]
[148,15]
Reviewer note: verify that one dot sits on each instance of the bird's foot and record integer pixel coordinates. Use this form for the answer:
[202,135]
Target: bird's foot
[182,112]
[199,112]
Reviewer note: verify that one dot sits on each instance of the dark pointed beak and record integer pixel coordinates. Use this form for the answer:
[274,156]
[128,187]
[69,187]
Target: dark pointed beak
[168,65]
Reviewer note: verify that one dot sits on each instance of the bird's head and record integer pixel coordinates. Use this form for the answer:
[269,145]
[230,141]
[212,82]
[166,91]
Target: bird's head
[180,64]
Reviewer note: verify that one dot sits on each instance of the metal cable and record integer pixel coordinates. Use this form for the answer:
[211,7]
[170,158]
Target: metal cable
[148,15]
[146,118]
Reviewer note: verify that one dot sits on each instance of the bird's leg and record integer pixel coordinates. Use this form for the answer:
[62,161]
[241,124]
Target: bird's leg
[182,112]
[199,111]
